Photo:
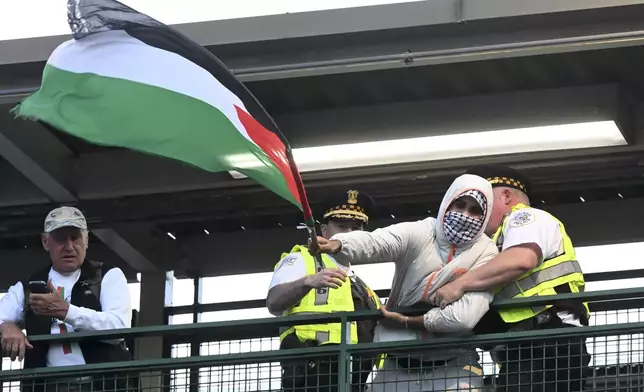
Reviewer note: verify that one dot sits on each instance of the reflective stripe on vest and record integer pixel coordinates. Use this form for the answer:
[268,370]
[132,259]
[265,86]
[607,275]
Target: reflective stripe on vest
[532,281]
[321,301]
[541,280]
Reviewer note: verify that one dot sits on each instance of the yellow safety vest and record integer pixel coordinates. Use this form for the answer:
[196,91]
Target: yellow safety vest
[321,301]
[542,280]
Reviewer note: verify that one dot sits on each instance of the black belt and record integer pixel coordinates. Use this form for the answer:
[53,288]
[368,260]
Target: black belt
[546,319]
[537,322]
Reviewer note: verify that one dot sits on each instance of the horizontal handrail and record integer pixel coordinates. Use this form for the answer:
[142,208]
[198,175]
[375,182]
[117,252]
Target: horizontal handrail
[614,275]
[271,323]
[260,303]
[589,296]
[278,355]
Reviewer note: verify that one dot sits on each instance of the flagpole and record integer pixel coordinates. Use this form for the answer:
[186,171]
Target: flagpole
[306,208]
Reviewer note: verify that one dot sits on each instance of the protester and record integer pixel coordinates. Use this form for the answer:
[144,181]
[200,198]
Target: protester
[427,255]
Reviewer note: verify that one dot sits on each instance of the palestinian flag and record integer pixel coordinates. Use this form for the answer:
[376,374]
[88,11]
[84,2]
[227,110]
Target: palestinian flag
[127,80]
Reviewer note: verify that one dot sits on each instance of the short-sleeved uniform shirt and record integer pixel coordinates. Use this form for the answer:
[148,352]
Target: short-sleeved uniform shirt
[293,267]
[532,225]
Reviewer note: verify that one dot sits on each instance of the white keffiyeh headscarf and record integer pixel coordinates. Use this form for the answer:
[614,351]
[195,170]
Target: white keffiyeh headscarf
[459,239]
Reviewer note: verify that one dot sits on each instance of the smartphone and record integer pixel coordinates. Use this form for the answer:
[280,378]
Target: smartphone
[38,287]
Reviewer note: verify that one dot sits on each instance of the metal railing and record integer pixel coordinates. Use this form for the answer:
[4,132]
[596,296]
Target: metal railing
[259,303]
[617,350]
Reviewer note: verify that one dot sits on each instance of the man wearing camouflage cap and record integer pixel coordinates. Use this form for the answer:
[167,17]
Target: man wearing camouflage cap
[77,295]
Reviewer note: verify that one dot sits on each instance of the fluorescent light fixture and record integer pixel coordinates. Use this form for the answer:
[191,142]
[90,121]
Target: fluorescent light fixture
[171,235]
[206,231]
[462,145]
[582,199]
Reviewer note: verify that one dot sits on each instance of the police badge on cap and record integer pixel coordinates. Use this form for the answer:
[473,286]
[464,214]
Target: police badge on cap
[352,204]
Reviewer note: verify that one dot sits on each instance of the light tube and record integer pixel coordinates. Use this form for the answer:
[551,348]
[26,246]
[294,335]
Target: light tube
[462,145]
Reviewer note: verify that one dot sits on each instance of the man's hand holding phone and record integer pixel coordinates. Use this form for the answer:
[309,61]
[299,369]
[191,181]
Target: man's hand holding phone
[48,303]
[39,287]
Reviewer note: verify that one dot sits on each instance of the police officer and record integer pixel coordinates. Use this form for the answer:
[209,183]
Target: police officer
[302,285]
[536,258]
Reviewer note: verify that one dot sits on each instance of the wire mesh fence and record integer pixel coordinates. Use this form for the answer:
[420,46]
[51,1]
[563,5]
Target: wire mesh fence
[8,364]
[608,354]
[615,363]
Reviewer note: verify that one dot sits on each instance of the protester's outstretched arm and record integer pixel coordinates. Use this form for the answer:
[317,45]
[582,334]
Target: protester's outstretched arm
[387,244]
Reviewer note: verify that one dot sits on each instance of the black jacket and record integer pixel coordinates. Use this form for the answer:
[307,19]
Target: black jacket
[86,294]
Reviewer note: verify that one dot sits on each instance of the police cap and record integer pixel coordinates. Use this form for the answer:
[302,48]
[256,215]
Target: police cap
[500,175]
[350,205]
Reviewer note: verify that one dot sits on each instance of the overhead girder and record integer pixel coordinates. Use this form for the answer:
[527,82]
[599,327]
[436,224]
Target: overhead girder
[592,223]
[385,36]
[46,162]
[120,173]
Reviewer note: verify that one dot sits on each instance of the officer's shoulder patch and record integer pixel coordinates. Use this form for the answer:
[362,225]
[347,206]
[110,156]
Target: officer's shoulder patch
[521,218]
[288,260]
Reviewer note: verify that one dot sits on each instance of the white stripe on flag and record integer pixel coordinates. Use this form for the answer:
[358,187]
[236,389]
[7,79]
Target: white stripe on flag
[116,54]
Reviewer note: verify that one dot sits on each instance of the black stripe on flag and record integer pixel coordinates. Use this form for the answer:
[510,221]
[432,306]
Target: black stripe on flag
[86,17]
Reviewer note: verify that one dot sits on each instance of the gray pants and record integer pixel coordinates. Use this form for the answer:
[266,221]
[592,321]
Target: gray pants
[454,376]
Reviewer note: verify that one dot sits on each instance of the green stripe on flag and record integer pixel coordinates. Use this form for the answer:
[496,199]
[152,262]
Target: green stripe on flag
[122,113]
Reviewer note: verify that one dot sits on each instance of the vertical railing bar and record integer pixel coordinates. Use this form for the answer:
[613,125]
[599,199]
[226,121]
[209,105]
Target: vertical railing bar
[343,362]
[1,369]
[195,344]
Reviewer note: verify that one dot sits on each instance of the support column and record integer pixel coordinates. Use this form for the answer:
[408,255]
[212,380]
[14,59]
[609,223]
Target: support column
[156,292]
